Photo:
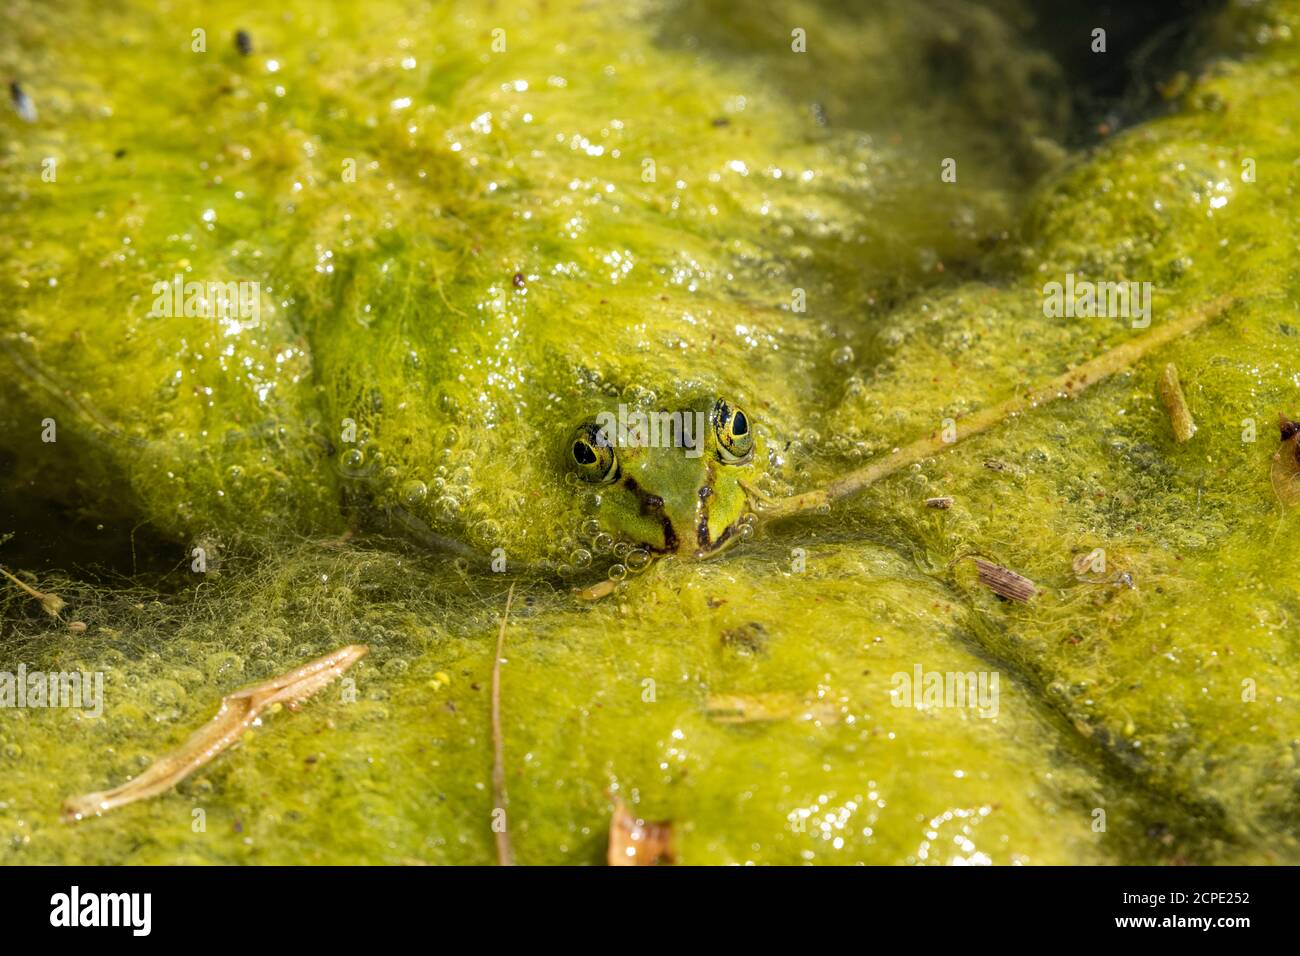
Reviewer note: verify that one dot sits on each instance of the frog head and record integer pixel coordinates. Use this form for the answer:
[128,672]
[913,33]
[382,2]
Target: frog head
[672,482]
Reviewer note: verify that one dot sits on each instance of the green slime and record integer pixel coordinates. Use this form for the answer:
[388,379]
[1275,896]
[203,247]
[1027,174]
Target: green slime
[500,263]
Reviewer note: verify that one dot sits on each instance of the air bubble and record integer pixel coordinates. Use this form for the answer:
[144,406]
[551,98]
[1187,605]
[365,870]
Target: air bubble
[638,559]
[354,458]
[589,528]
[602,542]
[414,492]
[581,558]
[842,356]
[617,572]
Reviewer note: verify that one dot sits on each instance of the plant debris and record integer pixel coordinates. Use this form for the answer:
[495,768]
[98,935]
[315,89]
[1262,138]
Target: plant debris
[505,854]
[943,503]
[23,104]
[1094,560]
[1004,582]
[760,708]
[749,638]
[1171,393]
[636,842]
[595,592]
[238,713]
[50,602]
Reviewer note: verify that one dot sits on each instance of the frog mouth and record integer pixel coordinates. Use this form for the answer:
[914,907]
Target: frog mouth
[700,544]
[710,549]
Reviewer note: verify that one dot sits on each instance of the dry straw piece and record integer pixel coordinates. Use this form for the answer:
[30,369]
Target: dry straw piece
[237,714]
[1000,580]
[1171,393]
[637,842]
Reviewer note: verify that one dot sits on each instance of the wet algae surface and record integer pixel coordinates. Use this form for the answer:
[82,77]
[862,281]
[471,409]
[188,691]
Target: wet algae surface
[466,231]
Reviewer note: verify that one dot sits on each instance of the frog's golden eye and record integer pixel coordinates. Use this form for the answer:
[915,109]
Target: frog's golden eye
[592,454]
[735,433]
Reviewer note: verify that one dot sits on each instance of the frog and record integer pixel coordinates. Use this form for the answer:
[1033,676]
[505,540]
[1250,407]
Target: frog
[684,494]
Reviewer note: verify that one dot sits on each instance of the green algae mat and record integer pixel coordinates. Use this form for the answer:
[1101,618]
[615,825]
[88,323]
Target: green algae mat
[874,441]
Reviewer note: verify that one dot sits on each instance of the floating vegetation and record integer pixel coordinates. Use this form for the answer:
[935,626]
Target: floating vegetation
[455,256]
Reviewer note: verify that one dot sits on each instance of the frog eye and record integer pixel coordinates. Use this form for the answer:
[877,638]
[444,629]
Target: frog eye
[734,432]
[592,455]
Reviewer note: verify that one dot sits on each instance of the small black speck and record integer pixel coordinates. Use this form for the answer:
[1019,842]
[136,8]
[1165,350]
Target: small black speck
[519,280]
[243,42]
[721,121]
[706,491]
[119,153]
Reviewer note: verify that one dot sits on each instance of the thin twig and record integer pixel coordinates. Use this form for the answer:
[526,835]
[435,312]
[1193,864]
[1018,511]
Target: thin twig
[1066,385]
[22,584]
[237,714]
[505,855]
[50,601]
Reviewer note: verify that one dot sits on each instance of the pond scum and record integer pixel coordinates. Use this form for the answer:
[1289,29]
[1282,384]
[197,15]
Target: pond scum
[468,231]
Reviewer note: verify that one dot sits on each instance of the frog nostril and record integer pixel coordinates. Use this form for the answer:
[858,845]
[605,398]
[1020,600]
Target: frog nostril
[651,503]
[705,492]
